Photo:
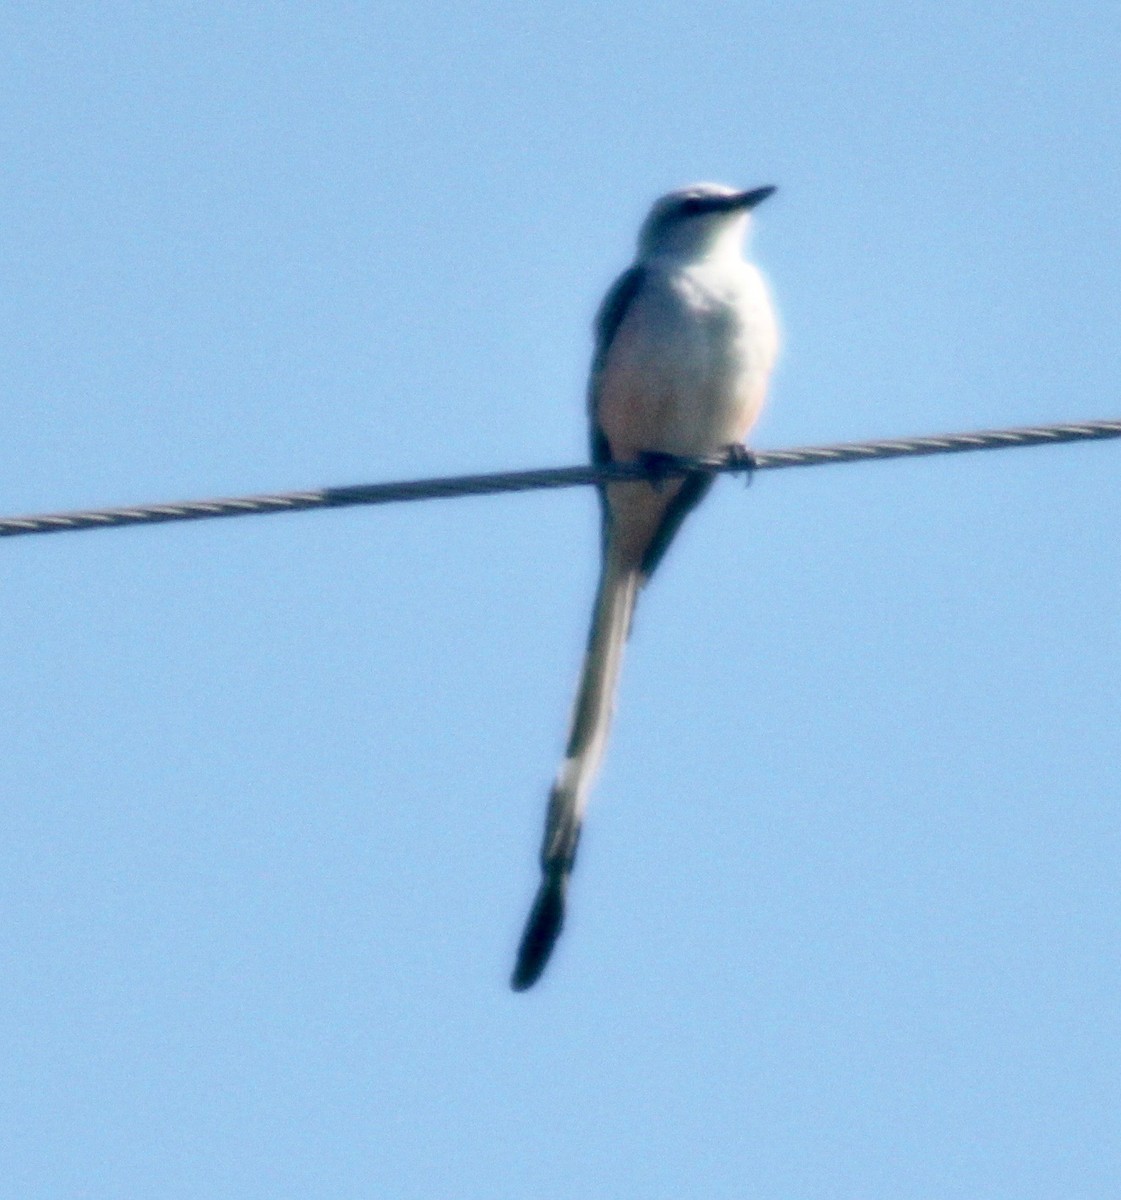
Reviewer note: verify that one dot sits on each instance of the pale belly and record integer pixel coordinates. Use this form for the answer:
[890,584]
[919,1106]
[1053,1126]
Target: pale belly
[687,370]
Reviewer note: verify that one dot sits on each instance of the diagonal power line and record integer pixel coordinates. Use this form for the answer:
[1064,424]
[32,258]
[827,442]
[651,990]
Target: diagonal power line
[554,477]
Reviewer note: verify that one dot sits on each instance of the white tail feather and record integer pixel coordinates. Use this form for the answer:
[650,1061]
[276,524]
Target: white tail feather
[587,739]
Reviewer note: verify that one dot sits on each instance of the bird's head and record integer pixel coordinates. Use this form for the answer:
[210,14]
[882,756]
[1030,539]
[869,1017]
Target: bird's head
[699,221]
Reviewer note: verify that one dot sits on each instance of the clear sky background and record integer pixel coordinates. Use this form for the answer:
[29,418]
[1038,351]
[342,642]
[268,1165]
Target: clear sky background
[847,918]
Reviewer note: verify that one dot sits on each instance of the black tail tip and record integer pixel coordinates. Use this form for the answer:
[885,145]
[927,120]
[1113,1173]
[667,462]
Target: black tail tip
[546,920]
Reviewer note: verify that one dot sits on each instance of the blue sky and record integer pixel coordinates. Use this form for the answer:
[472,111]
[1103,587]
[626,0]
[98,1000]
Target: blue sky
[846,918]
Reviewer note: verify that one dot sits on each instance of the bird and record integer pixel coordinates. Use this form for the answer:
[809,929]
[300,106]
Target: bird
[685,342]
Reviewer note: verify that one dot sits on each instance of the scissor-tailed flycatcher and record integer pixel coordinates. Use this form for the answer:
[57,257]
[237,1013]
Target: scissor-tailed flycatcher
[685,342]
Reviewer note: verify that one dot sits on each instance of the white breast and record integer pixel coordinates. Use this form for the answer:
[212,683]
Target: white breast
[687,370]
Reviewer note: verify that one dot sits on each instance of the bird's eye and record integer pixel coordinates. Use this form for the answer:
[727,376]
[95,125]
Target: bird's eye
[692,206]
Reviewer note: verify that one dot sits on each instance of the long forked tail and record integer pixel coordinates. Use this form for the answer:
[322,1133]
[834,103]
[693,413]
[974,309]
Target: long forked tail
[591,720]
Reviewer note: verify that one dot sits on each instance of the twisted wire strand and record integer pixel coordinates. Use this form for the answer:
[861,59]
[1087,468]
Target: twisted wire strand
[556,477]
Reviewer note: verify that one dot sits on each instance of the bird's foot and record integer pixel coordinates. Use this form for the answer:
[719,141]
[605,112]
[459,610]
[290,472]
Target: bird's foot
[658,466]
[740,459]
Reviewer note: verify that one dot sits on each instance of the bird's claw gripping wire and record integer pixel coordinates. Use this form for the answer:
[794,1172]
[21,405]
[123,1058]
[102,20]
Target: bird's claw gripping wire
[658,466]
[741,460]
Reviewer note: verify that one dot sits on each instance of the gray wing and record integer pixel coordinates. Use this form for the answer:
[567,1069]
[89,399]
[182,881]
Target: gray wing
[694,488]
[610,316]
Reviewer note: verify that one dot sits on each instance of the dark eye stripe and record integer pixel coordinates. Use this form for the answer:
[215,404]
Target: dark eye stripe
[693,206]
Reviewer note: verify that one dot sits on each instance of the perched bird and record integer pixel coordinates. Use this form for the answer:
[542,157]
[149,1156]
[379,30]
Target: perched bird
[685,342]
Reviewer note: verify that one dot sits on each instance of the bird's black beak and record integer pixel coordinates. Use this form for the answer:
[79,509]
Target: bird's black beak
[748,200]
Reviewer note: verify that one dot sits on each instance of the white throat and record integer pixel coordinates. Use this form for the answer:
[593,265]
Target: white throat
[710,239]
